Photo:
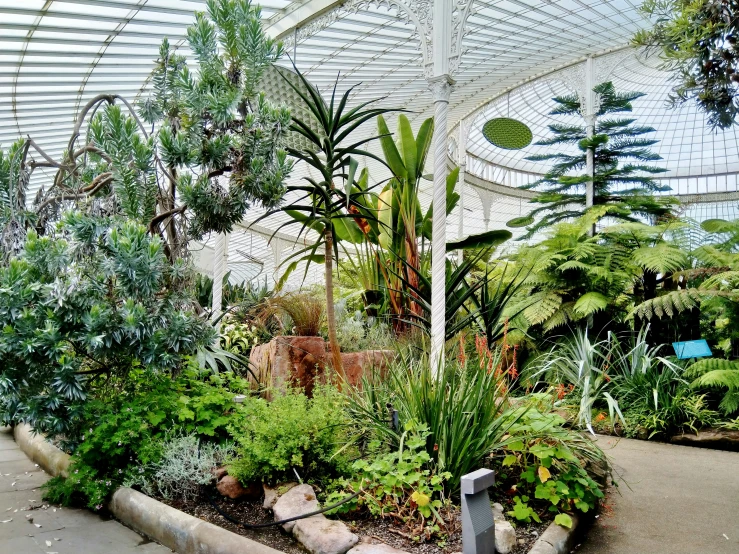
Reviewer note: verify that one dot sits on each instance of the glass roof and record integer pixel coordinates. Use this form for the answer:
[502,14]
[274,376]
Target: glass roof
[698,159]
[56,55]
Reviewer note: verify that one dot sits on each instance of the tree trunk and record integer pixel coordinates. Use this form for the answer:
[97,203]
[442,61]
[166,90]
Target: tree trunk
[333,340]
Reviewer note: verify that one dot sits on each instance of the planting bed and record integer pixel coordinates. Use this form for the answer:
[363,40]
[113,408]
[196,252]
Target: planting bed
[368,529]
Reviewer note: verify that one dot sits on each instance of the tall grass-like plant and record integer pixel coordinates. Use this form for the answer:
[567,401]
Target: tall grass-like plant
[609,371]
[462,407]
[306,311]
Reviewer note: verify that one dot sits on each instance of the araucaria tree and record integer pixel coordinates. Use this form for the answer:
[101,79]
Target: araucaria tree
[698,41]
[623,176]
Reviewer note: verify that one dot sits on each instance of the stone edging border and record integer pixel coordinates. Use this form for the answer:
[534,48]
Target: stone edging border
[168,526]
[557,539]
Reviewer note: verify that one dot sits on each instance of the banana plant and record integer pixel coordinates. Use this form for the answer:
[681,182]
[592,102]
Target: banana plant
[401,224]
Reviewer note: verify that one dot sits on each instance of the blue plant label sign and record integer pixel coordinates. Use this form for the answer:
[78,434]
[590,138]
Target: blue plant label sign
[692,349]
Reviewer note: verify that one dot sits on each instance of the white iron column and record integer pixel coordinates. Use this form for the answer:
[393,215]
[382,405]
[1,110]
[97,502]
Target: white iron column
[220,263]
[442,89]
[589,115]
[462,161]
[441,86]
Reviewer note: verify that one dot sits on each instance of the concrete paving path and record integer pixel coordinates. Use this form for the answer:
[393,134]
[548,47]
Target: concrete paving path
[672,499]
[30,526]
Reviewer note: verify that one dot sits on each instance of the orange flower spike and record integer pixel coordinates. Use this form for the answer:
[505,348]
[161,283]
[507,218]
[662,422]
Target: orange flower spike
[514,366]
[462,358]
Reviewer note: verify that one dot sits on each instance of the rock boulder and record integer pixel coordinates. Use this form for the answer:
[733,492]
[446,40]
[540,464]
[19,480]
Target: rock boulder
[320,535]
[295,502]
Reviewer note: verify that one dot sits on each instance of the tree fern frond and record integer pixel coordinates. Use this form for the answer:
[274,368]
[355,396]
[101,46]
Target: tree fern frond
[543,306]
[590,303]
[726,280]
[730,402]
[709,365]
[674,302]
[661,258]
[562,316]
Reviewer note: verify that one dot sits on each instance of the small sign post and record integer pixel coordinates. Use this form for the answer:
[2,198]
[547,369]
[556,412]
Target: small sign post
[692,349]
[478,525]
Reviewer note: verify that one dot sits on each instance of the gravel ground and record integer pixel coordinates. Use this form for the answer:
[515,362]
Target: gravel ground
[368,529]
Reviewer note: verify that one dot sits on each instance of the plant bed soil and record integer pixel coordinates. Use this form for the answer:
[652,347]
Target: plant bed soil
[368,529]
[248,511]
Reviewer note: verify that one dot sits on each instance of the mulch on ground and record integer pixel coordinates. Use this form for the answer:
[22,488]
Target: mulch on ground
[383,530]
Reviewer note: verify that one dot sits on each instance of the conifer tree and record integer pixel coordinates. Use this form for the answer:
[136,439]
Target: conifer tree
[623,176]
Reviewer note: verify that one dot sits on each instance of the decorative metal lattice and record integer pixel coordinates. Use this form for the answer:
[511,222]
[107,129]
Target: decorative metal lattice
[507,133]
[276,82]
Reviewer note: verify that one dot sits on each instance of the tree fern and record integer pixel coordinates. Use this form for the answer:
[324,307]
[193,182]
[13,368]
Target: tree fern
[718,373]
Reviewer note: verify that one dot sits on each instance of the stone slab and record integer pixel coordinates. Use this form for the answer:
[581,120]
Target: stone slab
[297,501]
[320,535]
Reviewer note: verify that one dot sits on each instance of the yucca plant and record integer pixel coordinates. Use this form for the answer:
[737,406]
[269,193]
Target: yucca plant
[326,204]
[463,409]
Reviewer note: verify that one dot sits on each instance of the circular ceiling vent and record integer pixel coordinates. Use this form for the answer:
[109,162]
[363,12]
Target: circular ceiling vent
[507,133]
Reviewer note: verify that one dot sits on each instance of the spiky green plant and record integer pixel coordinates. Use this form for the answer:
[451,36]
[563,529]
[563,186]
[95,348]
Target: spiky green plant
[584,364]
[463,408]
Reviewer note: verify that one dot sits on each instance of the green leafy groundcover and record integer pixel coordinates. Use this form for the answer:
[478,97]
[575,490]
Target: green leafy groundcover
[121,431]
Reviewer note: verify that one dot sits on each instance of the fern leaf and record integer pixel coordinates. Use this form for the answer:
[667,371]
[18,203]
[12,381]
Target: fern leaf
[661,258]
[543,306]
[723,280]
[669,304]
[707,365]
[730,402]
[589,303]
[561,317]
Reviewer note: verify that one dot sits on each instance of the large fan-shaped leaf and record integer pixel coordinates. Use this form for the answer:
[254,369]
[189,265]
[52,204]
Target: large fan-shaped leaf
[590,302]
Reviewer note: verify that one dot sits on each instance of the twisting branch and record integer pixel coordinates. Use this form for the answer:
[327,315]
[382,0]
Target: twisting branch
[30,142]
[164,215]
[109,98]
[94,150]
[98,183]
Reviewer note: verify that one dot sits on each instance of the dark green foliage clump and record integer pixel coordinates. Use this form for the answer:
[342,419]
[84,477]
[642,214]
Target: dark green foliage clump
[121,430]
[699,44]
[97,299]
[217,120]
[623,179]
